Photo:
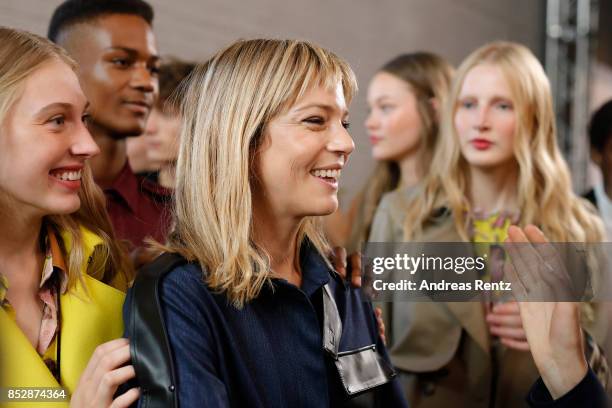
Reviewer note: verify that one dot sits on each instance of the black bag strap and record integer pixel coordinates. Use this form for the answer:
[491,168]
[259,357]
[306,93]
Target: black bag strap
[149,346]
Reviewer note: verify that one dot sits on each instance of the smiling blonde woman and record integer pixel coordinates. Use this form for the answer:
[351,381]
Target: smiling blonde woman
[254,314]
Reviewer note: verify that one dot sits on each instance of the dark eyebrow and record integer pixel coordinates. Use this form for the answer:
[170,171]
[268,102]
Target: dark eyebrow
[323,106]
[133,53]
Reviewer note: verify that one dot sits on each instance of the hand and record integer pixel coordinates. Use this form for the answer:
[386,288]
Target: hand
[552,328]
[103,374]
[339,262]
[505,322]
[381,324]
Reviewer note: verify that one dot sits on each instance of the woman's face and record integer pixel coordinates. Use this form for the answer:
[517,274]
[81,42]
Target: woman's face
[393,124]
[303,151]
[44,143]
[485,120]
[162,134]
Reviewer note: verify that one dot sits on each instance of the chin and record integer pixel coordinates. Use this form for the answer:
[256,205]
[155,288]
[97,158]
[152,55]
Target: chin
[64,206]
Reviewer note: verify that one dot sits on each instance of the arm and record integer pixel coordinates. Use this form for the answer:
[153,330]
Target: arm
[183,299]
[552,328]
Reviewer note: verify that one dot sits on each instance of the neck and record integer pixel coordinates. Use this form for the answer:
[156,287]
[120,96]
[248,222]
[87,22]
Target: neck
[278,237]
[494,189]
[107,165]
[410,171]
[166,175]
[20,253]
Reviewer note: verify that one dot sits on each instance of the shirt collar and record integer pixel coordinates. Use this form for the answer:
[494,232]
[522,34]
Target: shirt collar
[54,261]
[126,186]
[316,272]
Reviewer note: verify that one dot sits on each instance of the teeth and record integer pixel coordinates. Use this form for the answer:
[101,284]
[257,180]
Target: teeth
[68,175]
[335,174]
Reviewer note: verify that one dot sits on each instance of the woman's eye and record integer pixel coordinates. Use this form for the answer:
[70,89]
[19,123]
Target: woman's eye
[346,124]
[467,104]
[386,108]
[315,120]
[504,106]
[58,120]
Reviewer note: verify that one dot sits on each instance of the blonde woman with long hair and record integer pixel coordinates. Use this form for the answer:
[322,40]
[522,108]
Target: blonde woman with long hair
[497,164]
[404,97]
[257,317]
[62,273]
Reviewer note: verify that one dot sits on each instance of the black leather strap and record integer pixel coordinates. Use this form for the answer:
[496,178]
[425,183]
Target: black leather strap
[149,346]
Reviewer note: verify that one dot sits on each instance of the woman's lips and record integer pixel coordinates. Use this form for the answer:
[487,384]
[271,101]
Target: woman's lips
[481,144]
[375,139]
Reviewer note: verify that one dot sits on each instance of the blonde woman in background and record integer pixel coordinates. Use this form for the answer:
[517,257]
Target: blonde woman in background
[62,273]
[404,98]
[497,164]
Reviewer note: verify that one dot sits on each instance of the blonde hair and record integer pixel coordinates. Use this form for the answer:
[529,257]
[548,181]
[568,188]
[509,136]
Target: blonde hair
[429,77]
[21,54]
[545,194]
[226,109]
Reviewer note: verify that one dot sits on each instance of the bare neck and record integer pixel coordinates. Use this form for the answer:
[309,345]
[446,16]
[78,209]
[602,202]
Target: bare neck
[107,165]
[278,237]
[410,170]
[20,254]
[494,190]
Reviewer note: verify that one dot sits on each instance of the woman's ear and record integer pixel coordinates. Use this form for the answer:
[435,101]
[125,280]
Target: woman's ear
[435,104]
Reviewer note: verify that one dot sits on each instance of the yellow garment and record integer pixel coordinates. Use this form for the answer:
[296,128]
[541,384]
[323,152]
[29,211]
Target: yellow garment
[91,315]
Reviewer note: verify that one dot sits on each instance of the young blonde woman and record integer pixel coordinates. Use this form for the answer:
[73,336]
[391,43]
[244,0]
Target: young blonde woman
[497,164]
[404,98]
[62,273]
[257,317]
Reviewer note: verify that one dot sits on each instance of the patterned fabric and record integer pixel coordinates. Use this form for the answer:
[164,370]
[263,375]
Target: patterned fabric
[53,272]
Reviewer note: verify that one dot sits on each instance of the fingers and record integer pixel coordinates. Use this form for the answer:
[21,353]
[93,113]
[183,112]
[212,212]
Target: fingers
[355,260]
[101,351]
[126,399]
[106,373]
[111,380]
[515,344]
[381,324]
[504,320]
[339,261]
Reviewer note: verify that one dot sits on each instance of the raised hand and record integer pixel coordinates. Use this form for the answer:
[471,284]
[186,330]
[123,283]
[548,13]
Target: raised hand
[552,328]
[104,373]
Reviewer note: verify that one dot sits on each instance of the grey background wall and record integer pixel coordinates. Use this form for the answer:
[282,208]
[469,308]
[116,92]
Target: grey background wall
[365,32]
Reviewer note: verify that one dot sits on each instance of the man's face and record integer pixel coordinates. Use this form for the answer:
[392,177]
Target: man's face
[118,65]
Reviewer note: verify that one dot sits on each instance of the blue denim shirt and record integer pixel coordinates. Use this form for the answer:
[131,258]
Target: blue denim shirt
[270,352]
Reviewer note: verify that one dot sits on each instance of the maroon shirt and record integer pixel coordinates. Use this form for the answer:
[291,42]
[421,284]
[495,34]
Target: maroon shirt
[138,208]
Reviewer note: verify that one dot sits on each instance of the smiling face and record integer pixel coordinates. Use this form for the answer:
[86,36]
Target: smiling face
[394,124]
[485,120]
[44,143]
[302,154]
[118,65]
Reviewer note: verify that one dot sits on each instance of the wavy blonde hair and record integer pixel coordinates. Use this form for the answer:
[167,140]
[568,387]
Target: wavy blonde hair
[229,102]
[21,54]
[545,195]
[429,77]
